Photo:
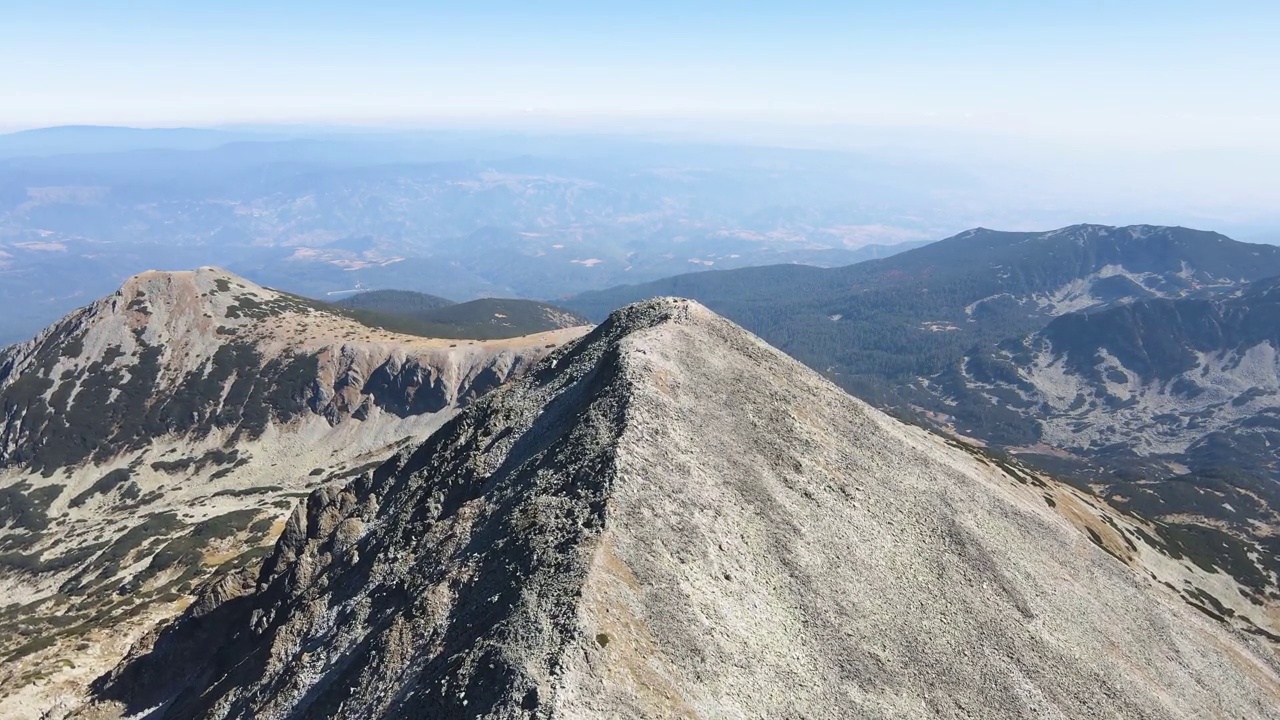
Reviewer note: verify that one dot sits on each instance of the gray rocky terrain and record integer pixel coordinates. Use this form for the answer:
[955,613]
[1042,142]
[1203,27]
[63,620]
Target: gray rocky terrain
[669,518]
[1137,362]
[162,434]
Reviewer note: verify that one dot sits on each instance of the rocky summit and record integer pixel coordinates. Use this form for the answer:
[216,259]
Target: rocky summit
[668,518]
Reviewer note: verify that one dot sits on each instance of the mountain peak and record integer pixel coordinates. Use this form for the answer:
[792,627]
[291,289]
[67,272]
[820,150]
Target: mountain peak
[149,439]
[202,277]
[202,302]
[657,311]
[178,336]
[670,517]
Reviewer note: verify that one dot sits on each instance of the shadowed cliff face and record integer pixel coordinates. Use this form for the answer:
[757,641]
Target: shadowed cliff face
[670,518]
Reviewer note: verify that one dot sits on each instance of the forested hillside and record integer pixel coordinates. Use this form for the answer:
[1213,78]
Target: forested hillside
[431,316]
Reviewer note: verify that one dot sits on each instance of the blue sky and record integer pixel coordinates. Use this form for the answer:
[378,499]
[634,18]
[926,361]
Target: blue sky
[1159,74]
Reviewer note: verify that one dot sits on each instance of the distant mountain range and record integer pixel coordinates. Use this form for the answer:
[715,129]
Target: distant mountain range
[879,323]
[97,139]
[1140,361]
[465,216]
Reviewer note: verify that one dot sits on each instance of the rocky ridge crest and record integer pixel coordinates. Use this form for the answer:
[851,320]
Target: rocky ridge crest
[670,518]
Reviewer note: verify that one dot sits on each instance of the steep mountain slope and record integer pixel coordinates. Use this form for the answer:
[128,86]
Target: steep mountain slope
[161,432]
[669,518]
[1189,387]
[484,319]
[942,333]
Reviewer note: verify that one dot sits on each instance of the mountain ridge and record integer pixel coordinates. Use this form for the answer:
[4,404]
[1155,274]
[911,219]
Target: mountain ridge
[206,324]
[619,535]
[156,437]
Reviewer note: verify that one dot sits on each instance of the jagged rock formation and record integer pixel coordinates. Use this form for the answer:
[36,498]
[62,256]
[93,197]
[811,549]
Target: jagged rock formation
[669,518]
[161,434]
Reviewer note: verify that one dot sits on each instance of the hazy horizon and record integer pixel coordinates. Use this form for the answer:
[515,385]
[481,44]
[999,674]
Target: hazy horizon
[1143,105]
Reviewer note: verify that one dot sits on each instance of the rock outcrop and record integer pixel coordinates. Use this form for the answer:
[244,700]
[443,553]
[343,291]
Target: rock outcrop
[669,518]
